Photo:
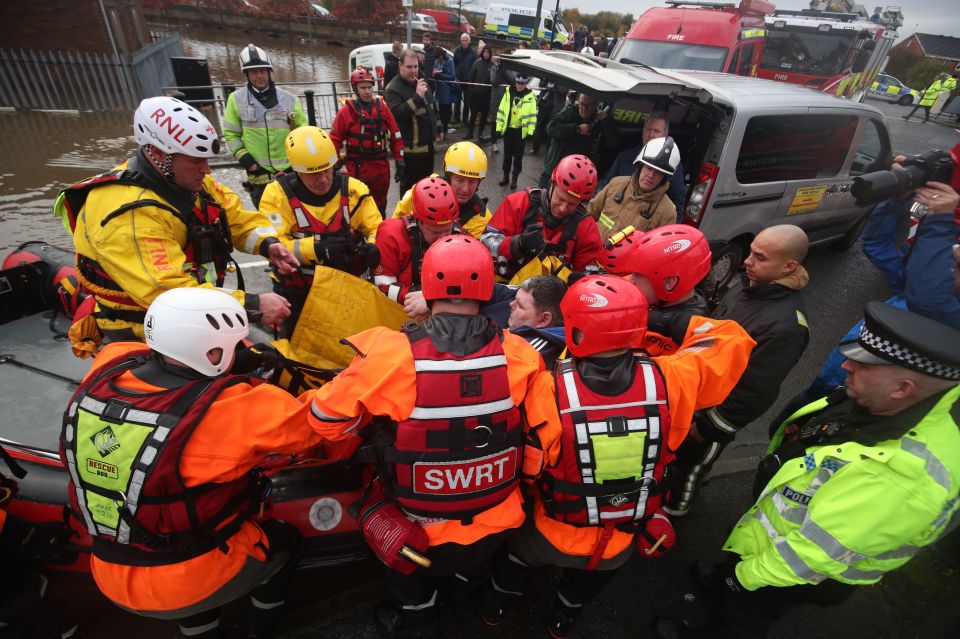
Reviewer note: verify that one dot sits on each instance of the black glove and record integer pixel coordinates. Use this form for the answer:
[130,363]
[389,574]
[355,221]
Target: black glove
[529,244]
[246,161]
[253,357]
[400,173]
[333,251]
[576,276]
[369,255]
[722,580]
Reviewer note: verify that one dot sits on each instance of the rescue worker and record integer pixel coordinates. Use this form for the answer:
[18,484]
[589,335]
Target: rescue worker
[464,400]
[160,221]
[853,485]
[364,131]
[321,216]
[623,414]
[27,606]
[666,264]
[256,121]
[552,221]
[535,316]
[516,121]
[162,444]
[403,241]
[639,200]
[464,168]
[942,83]
[770,308]
[411,101]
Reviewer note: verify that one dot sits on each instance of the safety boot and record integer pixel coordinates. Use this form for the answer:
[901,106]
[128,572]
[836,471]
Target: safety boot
[505,180]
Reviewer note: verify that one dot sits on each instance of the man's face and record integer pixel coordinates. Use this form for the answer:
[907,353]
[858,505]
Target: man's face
[464,41]
[365,91]
[523,312]
[870,385]
[464,188]
[188,172]
[409,68]
[765,262]
[654,128]
[562,203]
[259,78]
[427,41]
[318,183]
[646,287]
[432,232]
[587,106]
[650,178]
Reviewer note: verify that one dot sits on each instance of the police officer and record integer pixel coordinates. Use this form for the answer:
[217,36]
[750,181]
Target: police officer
[547,222]
[163,483]
[160,221]
[465,398]
[257,119]
[464,167]
[364,131]
[322,217]
[853,485]
[622,414]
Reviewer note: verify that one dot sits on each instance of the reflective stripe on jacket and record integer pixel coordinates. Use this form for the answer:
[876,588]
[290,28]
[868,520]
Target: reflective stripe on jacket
[528,112]
[251,128]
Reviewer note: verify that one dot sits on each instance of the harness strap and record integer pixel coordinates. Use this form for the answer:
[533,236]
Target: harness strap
[606,533]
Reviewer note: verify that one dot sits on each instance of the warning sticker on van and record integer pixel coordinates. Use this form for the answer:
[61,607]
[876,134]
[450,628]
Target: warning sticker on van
[807,199]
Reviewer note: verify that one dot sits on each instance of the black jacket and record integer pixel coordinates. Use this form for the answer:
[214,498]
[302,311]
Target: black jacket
[415,116]
[774,316]
[391,69]
[463,60]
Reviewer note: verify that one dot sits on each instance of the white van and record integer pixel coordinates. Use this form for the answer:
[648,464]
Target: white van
[374,57]
[511,22]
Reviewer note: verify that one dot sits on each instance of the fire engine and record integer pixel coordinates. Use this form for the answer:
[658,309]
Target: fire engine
[699,35]
[838,52]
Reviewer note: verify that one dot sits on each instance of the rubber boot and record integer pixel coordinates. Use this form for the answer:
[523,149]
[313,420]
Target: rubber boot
[513,182]
[506,179]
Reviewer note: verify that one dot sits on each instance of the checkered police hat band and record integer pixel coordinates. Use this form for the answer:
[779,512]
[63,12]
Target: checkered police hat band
[882,347]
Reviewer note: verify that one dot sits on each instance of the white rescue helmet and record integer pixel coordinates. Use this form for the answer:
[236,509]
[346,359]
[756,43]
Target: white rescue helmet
[588,51]
[187,323]
[253,57]
[173,126]
[661,154]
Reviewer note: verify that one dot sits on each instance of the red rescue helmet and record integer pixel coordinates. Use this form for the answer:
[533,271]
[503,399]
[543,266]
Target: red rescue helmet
[616,259]
[361,74]
[457,266]
[603,312]
[434,202]
[577,175]
[675,258]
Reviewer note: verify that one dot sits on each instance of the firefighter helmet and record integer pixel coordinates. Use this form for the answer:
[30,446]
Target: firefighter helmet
[253,57]
[310,150]
[173,126]
[577,175]
[434,202]
[457,266]
[188,323]
[466,159]
[660,154]
[361,74]
[675,258]
[602,313]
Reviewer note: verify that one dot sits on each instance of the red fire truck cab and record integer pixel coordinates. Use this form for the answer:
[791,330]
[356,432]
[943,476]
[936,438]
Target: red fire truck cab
[700,35]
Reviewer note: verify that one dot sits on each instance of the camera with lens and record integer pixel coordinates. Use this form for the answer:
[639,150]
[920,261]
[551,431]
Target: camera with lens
[932,166]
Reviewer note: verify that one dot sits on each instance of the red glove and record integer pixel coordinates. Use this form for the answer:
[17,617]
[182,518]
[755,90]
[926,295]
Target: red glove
[533,457]
[655,536]
[389,532]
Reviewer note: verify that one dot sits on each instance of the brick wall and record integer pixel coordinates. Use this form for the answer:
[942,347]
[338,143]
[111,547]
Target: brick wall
[76,26]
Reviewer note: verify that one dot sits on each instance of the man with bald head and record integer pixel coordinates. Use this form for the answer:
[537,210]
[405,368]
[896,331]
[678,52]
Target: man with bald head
[769,307]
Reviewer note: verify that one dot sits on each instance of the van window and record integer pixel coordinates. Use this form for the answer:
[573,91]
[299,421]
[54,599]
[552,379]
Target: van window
[548,24]
[794,147]
[524,22]
[732,68]
[872,151]
[746,59]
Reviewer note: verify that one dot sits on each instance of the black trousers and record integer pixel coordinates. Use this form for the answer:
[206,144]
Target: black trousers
[926,109]
[513,144]
[419,166]
[464,99]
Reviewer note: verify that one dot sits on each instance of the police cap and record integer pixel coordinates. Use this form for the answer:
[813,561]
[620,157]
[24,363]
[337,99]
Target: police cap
[892,335]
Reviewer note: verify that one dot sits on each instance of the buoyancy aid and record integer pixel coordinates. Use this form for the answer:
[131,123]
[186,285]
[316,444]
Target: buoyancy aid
[537,213]
[367,138]
[471,208]
[613,456]
[460,451]
[209,242]
[123,450]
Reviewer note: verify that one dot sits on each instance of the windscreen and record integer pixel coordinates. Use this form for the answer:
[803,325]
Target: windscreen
[814,52]
[672,55]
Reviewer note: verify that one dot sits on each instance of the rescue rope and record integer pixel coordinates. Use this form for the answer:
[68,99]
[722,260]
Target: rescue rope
[11,359]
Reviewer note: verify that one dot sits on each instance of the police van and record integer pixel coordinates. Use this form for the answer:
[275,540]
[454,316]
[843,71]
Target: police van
[511,22]
[755,152]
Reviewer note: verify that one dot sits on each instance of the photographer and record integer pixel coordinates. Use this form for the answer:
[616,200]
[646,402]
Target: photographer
[923,271]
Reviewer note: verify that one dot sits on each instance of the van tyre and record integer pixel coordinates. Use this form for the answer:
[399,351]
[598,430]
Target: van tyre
[726,263]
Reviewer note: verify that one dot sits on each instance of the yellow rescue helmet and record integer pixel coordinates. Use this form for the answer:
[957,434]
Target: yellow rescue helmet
[310,150]
[466,159]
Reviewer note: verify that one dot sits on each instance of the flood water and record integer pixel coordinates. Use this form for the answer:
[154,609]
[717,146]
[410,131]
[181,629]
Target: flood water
[41,153]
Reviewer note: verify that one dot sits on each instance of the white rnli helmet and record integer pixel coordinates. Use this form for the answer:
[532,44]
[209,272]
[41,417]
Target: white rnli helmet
[253,57]
[187,323]
[173,126]
[661,154]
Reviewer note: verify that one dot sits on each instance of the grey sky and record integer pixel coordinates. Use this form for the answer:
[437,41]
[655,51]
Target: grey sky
[940,17]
